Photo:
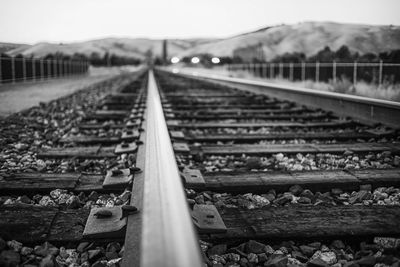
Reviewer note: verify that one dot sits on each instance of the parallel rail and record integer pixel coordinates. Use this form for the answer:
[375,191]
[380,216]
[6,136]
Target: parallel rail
[366,110]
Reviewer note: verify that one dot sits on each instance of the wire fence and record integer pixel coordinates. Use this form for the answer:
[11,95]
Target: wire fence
[17,69]
[376,73]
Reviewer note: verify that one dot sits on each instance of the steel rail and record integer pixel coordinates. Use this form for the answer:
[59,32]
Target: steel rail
[364,109]
[168,235]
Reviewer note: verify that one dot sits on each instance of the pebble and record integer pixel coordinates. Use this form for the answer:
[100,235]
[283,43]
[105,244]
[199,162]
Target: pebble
[9,258]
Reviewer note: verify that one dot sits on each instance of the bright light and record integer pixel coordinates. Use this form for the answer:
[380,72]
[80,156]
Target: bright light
[215,60]
[195,60]
[174,60]
[175,70]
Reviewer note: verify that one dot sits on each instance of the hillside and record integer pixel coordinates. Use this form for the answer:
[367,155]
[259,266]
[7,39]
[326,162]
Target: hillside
[4,47]
[127,47]
[307,37]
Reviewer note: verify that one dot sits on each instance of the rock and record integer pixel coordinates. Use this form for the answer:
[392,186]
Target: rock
[26,251]
[296,190]
[253,163]
[307,250]
[336,191]
[3,244]
[9,258]
[307,193]
[299,256]
[253,258]
[367,261]
[269,250]
[279,157]
[254,247]
[110,255]
[283,199]
[15,245]
[387,242]
[317,263]
[217,250]
[47,261]
[232,257]
[24,199]
[46,249]
[113,247]
[329,257]
[338,244]
[215,259]
[304,200]
[277,261]
[46,201]
[73,202]
[102,263]
[262,257]
[114,262]
[125,196]
[94,254]
[93,196]
[82,247]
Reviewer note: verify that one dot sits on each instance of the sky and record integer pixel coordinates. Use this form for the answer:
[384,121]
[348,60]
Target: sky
[32,21]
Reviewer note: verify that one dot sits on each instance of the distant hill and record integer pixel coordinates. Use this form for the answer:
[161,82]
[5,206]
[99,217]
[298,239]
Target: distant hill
[306,37]
[4,47]
[124,47]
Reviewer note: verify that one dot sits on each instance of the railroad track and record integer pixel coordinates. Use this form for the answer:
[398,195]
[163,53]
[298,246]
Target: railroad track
[140,170]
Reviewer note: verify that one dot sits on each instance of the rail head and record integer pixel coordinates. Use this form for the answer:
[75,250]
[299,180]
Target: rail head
[168,234]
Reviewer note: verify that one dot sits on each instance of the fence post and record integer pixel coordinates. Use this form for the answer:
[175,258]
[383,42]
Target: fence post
[33,69]
[264,69]
[334,72]
[281,70]
[55,68]
[303,71]
[1,74]
[380,72]
[317,71]
[23,69]
[41,69]
[291,71]
[48,69]
[355,73]
[13,69]
[272,70]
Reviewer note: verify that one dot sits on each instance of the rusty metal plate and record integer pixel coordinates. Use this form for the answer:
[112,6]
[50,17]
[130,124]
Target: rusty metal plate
[193,178]
[177,134]
[130,135]
[117,179]
[181,147]
[207,219]
[105,226]
[125,148]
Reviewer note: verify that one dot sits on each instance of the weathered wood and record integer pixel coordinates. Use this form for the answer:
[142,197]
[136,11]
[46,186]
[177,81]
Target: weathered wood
[45,182]
[68,225]
[333,123]
[26,223]
[39,182]
[281,181]
[91,140]
[90,126]
[310,221]
[107,115]
[293,148]
[78,152]
[347,135]
[306,116]
[224,106]
[243,111]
